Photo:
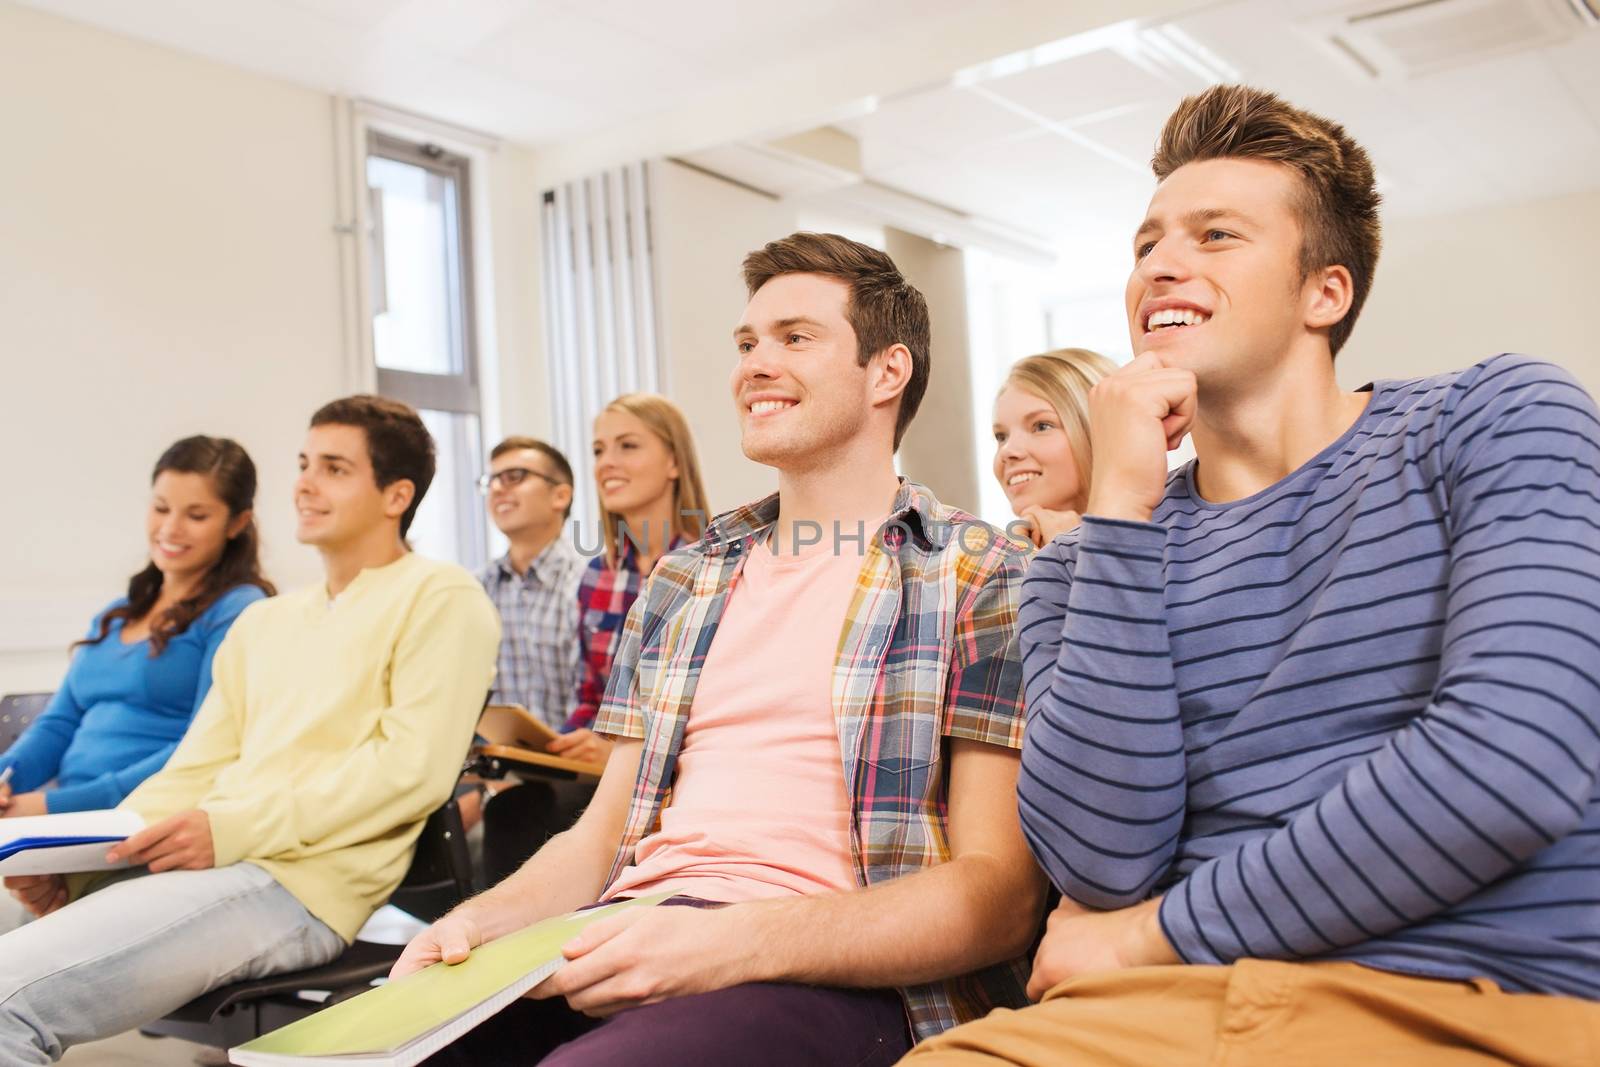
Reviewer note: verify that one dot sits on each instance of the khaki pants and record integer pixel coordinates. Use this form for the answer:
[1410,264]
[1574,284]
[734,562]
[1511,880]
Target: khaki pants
[1258,1013]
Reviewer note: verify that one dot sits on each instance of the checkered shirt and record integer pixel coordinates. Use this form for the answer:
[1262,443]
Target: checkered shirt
[538,664]
[927,651]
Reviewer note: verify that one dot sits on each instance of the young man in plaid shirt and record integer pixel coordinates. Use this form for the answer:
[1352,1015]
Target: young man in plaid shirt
[816,710]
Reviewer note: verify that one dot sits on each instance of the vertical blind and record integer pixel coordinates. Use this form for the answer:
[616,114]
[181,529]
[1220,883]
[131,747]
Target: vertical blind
[600,315]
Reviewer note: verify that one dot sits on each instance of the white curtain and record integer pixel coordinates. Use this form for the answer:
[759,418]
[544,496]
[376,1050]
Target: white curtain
[600,313]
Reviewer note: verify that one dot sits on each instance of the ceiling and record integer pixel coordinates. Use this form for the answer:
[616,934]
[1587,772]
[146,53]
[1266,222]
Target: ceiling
[531,71]
[1051,144]
[1059,144]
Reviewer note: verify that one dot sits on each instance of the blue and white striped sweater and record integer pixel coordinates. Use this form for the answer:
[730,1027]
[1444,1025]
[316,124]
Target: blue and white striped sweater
[1354,716]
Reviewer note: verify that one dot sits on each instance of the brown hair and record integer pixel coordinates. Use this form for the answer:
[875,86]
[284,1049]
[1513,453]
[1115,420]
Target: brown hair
[666,421]
[398,444]
[517,443]
[1064,377]
[884,309]
[233,479]
[1339,206]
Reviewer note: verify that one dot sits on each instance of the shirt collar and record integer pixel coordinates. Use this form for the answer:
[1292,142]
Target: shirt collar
[916,513]
[543,569]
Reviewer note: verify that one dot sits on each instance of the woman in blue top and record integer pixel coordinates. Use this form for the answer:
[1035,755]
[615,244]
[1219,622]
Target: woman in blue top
[139,676]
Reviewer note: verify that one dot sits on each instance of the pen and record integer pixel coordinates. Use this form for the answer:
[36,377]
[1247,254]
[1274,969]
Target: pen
[5,775]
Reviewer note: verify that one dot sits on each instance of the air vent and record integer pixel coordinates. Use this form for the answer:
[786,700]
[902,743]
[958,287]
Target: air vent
[1408,39]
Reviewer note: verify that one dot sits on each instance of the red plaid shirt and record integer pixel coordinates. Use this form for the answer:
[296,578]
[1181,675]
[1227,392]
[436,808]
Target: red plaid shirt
[604,596]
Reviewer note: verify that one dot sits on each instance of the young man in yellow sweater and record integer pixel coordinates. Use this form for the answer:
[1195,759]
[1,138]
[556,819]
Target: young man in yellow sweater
[287,815]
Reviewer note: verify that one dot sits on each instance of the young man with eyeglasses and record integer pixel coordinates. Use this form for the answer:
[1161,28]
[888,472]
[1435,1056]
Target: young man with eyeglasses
[534,587]
[535,584]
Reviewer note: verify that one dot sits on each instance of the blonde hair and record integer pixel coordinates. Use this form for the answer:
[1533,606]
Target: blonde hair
[1063,377]
[663,418]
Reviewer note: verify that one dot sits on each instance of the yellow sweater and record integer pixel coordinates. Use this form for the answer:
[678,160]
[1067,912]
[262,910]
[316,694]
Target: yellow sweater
[332,731]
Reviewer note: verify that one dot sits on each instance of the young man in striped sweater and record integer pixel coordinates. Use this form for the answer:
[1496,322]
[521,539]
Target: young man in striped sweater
[1315,720]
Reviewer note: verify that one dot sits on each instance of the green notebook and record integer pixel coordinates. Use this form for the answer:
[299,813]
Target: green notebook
[403,1022]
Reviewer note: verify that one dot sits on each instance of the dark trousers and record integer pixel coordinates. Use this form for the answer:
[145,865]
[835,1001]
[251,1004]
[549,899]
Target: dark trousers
[768,1023]
[518,821]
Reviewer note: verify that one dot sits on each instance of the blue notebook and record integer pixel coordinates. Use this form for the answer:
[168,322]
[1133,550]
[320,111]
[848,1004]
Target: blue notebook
[23,844]
[64,843]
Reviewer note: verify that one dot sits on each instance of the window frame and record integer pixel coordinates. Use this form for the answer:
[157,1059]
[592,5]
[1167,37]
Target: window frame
[457,393]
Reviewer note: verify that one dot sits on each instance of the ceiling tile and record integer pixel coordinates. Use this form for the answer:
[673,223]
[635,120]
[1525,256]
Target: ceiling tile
[1081,85]
[940,122]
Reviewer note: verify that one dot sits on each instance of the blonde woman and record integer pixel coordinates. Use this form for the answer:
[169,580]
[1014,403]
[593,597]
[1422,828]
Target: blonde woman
[651,501]
[1041,433]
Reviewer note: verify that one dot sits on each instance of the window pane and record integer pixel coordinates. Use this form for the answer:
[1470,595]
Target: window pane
[450,523]
[417,320]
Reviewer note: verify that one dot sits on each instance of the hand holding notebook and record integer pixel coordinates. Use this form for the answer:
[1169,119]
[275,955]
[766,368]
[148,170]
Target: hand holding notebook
[407,1019]
[63,843]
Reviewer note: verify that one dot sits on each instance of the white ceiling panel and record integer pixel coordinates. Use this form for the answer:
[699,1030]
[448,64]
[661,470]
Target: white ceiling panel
[750,37]
[1083,85]
[941,122]
[1131,134]
[556,52]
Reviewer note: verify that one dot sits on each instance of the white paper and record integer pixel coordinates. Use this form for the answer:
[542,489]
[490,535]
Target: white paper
[66,858]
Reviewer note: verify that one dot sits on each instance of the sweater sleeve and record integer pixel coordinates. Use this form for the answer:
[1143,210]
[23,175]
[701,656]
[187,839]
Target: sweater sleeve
[109,789]
[211,743]
[1102,787]
[36,757]
[1503,759]
[442,665]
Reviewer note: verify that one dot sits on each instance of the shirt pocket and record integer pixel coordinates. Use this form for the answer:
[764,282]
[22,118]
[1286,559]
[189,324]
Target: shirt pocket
[901,757]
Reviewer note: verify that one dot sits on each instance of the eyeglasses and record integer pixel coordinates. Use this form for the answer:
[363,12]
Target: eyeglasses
[510,478]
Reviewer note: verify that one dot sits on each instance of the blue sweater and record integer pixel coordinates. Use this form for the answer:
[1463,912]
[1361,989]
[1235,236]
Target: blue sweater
[1354,716]
[119,712]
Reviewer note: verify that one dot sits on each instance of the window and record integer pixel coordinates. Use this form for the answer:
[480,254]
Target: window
[422,327]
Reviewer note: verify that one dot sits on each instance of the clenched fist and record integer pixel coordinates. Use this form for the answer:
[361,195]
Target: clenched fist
[1137,414]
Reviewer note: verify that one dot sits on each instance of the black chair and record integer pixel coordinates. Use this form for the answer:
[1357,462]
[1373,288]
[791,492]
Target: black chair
[439,878]
[17,711]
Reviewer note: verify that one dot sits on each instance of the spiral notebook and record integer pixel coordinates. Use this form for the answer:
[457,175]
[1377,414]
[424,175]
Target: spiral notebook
[403,1022]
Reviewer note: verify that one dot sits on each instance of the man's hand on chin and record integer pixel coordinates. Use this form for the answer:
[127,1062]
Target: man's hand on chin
[1078,941]
[644,955]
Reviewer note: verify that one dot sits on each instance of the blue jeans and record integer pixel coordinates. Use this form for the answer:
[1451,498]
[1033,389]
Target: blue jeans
[138,948]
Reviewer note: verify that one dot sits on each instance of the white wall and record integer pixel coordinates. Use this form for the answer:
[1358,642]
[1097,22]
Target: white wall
[1454,289]
[702,228]
[937,449]
[169,265]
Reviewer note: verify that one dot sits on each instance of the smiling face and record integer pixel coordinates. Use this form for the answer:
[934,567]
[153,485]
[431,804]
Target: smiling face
[337,500]
[537,503]
[633,467]
[1217,286]
[798,386]
[1033,459]
[188,525]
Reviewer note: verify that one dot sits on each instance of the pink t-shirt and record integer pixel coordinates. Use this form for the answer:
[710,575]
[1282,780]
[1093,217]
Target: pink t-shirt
[759,806]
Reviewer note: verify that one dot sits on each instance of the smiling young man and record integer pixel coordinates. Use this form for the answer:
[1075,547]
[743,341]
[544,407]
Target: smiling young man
[817,710]
[288,812]
[535,584]
[534,587]
[1316,717]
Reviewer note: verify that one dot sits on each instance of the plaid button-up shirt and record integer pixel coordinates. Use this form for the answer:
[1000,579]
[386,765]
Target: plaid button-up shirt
[605,594]
[927,650]
[538,665]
